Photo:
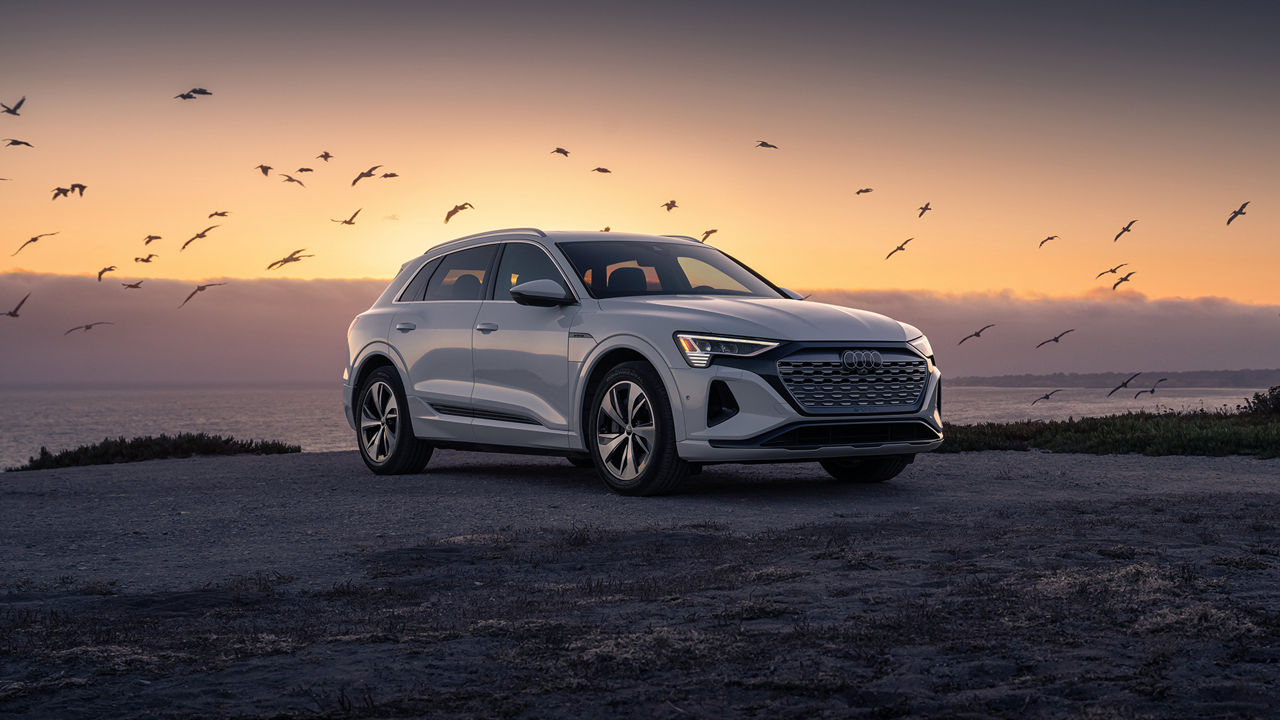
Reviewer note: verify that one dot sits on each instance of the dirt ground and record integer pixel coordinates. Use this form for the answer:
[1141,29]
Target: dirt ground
[974,585]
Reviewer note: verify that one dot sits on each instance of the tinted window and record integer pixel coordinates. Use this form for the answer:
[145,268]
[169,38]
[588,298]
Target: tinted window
[414,291]
[522,262]
[461,275]
[611,268]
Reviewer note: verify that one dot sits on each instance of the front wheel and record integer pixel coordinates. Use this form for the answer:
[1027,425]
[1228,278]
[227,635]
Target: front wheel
[867,469]
[383,431]
[631,433]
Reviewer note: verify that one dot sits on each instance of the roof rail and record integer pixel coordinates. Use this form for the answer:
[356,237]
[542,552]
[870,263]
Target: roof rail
[682,237]
[492,233]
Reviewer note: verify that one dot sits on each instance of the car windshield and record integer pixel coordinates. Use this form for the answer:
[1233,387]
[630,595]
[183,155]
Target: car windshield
[618,268]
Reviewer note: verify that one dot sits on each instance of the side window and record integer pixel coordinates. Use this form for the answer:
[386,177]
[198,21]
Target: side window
[415,289]
[461,275]
[522,262]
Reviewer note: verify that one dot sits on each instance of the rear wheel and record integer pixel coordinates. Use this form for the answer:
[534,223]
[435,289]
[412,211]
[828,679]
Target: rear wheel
[632,436]
[384,433]
[867,469]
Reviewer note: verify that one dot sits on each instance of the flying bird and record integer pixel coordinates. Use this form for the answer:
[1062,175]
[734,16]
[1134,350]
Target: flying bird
[219,213]
[1051,237]
[13,110]
[1056,338]
[324,156]
[389,175]
[266,169]
[148,239]
[79,188]
[365,174]
[864,191]
[15,142]
[292,257]
[1152,390]
[604,229]
[457,209]
[304,169]
[560,151]
[900,248]
[199,91]
[708,234]
[105,270]
[1124,384]
[60,192]
[1113,270]
[16,308]
[1234,213]
[923,209]
[199,289]
[86,328]
[291,179]
[146,259]
[601,170]
[32,240]
[202,234]
[763,144]
[349,221]
[133,286]
[184,96]
[1125,229]
[1046,396]
[669,205]
[1124,279]
[976,333]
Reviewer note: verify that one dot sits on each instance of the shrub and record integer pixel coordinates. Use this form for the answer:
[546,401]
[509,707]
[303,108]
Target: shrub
[1265,405]
[119,450]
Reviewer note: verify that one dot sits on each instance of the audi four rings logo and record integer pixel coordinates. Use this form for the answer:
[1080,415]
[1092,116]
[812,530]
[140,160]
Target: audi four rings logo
[861,360]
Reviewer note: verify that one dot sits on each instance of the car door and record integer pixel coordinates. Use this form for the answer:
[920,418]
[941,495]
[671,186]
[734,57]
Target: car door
[521,391]
[433,332]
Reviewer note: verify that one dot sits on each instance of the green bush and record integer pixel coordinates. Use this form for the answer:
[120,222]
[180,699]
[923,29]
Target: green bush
[1265,405]
[119,450]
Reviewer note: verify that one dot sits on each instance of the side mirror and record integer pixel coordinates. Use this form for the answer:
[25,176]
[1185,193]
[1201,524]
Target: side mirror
[541,293]
[792,294]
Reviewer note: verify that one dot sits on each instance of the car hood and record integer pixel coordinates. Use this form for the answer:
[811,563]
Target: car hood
[770,318]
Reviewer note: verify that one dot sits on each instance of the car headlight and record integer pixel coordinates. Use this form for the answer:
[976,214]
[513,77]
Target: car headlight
[699,349]
[922,346]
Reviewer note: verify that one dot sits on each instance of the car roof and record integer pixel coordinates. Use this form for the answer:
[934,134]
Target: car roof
[550,237]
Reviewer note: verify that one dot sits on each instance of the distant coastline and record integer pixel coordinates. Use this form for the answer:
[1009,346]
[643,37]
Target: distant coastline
[1250,379]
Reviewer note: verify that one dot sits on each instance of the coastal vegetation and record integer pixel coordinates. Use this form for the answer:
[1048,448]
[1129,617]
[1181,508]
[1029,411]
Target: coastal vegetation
[181,445]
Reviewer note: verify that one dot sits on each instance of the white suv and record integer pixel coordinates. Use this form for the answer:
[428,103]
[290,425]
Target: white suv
[644,356]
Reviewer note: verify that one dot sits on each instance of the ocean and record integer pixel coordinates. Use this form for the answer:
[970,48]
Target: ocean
[311,416]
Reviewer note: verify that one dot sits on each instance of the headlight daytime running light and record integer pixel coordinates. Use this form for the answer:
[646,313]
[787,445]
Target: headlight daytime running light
[922,346]
[699,349]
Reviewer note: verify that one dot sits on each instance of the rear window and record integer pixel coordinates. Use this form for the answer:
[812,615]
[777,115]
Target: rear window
[461,275]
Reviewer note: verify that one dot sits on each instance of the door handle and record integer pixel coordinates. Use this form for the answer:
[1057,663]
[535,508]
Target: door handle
[487,327]
[406,326]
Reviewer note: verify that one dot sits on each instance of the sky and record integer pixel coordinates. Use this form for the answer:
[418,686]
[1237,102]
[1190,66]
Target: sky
[1014,121]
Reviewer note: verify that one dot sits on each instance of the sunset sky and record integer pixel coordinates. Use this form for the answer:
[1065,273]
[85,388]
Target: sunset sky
[1016,121]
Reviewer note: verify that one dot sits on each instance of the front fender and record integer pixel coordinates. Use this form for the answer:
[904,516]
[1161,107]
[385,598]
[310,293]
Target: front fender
[655,358]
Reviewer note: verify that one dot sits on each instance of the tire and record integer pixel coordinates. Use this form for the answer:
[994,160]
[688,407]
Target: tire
[384,433]
[581,461]
[867,469]
[631,437]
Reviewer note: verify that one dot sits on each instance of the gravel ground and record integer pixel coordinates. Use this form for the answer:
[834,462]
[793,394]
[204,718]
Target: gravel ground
[979,584]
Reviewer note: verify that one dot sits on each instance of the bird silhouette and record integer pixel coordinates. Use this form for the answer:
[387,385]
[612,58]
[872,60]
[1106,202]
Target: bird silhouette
[560,151]
[13,110]
[763,144]
[79,188]
[1124,279]
[366,174]
[976,333]
[325,156]
[291,179]
[923,209]
[604,229]
[86,327]
[1125,229]
[184,96]
[16,308]
[1056,338]
[133,286]
[1234,213]
[457,209]
[385,176]
[292,257]
[146,259]
[601,170]
[202,234]
[1046,396]
[864,191]
[32,240]
[1113,271]
[1123,385]
[266,169]
[1152,390]
[14,142]
[900,248]
[149,239]
[1051,237]
[669,205]
[219,213]
[199,289]
[105,270]
[304,169]
[199,91]
[60,192]
[349,221]
[708,234]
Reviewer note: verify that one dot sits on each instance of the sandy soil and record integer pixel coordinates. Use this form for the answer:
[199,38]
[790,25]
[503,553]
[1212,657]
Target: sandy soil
[975,585]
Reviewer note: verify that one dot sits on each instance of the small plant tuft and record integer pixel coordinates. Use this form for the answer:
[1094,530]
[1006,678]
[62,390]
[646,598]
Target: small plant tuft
[182,445]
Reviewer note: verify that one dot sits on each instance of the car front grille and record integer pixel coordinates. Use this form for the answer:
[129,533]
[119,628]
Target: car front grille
[819,381]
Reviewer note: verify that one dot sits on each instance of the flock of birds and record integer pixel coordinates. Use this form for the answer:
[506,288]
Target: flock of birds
[373,173]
